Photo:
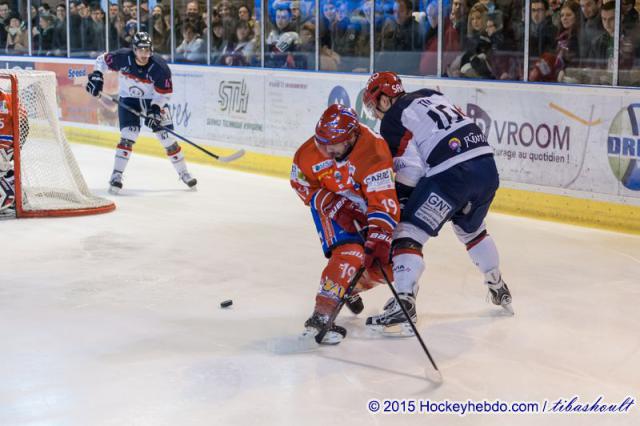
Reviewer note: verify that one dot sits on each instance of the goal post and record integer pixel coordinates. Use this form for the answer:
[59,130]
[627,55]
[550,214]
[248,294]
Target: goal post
[48,181]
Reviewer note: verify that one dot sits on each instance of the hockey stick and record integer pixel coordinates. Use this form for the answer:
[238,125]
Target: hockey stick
[438,376]
[413,326]
[224,159]
[336,310]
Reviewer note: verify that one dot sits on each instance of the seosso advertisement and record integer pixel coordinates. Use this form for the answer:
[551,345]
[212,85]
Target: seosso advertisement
[582,141]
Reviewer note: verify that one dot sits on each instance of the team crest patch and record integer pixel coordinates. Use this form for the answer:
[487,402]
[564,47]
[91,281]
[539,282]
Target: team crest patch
[433,211]
[4,109]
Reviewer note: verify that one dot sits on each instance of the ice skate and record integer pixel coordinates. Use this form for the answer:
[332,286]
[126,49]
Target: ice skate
[393,321]
[498,291]
[189,180]
[354,303]
[115,184]
[314,324]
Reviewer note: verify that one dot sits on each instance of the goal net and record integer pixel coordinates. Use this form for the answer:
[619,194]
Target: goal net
[48,181]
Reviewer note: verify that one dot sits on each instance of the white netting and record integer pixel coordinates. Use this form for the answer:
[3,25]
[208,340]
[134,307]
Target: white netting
[50,177]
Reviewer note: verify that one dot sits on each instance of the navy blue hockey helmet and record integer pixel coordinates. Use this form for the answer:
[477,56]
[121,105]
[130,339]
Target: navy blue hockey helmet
[141,40]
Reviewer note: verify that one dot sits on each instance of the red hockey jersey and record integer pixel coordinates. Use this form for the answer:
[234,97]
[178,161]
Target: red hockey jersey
[365,177]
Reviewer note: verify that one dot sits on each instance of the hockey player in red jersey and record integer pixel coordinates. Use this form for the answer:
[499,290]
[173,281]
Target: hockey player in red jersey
[445,171]
[7,179]
[344,173]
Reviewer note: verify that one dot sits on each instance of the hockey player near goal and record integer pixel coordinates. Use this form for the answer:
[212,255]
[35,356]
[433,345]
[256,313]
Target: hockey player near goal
[445,171]
[344,173]
[145,86]
[7,177]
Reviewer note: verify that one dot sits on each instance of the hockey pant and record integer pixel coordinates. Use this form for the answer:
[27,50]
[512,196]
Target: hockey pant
[346,256]
[130,129]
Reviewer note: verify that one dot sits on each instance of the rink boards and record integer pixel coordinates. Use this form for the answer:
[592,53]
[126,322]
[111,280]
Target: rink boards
[566,153]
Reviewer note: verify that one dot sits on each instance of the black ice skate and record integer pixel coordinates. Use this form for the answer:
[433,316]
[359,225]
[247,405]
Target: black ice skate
[189,180]
[354,303]
[314,324]
[393,321]
[499,292]
[115,184]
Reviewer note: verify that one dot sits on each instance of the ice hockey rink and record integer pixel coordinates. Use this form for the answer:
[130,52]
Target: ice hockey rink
[115,319]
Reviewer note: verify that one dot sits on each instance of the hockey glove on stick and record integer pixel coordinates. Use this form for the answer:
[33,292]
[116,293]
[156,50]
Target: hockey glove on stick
[341,210]
[153,118]
[377,247]
[95,83]
[404,192]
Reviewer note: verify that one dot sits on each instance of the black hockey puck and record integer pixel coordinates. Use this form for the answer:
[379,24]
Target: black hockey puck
[226,303]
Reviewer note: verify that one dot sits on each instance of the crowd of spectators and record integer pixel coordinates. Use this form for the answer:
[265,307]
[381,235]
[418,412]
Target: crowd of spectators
[569,40]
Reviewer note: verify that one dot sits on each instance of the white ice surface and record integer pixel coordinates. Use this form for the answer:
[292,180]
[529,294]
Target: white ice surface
[115,320]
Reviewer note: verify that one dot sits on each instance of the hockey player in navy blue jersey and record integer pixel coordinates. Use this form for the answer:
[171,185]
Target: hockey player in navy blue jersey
[145,86]
[445,171]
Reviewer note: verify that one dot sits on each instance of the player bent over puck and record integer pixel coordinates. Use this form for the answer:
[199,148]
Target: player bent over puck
[344,174]
[145,87]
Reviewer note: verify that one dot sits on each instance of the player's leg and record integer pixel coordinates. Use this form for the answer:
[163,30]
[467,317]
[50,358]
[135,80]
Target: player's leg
[129,131]
[429,207]
[408,266]
[470,228]
[7,193]
[346,255]
[172,148]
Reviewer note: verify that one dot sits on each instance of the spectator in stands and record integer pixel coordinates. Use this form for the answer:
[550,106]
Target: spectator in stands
[567,40]
[5,13]
[218,41]
[344,34]
[193,16]
[242,51]
[401,34]
[43,36]
[192,47]
[283,43]
[60,31]
[455,32]
[554,10]
[97,35]
[630,17]
[128,9]
[591,27]
[144,16]
[74,26]
[17,41]
[429,59]
[601,52]
[542,32]
[474,62]
[160,31]
[567,45]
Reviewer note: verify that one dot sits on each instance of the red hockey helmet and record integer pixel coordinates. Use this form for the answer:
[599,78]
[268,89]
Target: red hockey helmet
[337,125]
[381,83]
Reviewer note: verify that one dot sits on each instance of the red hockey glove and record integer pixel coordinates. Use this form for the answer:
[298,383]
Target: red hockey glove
[342,210]
[377,247]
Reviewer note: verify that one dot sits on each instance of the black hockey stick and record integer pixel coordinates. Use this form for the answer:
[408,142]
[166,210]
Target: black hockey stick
[361,231]
[224,159]
[406,315]
[336,310]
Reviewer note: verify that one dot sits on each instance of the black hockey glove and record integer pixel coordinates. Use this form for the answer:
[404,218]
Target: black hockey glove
[154,117]
[95,83]
[404,192]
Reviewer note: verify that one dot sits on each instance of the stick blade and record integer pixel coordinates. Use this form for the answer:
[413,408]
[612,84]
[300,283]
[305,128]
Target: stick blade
[232,157]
